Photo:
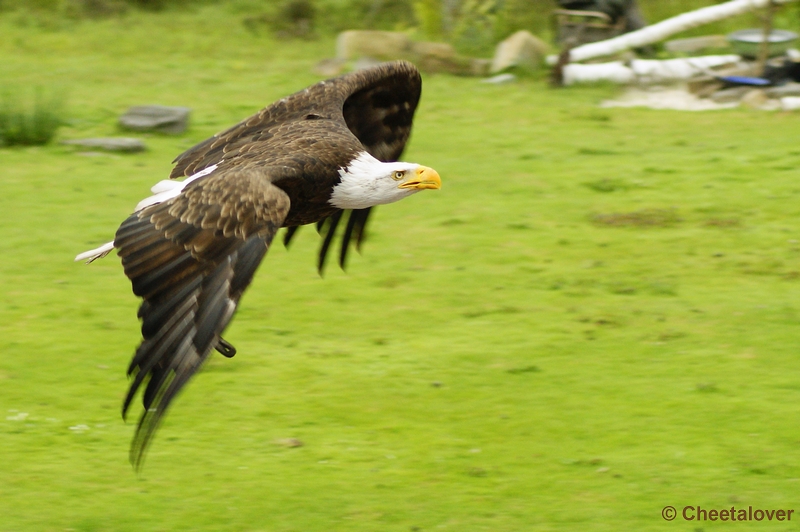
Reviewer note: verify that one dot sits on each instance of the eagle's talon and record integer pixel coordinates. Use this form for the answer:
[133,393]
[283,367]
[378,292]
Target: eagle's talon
[225,349]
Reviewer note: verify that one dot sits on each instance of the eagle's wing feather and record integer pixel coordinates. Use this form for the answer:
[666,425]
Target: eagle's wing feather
[376,105]
[329,230]
[190,259]
[356,226]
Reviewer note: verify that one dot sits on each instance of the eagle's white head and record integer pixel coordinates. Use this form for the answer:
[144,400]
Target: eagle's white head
[367,182]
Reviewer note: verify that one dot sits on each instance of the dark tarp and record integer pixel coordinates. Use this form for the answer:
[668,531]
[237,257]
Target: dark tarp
[613,8]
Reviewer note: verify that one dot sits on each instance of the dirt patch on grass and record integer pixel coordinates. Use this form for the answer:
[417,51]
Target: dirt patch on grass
[607,185]
[723,222]
[642,218]
[526,369]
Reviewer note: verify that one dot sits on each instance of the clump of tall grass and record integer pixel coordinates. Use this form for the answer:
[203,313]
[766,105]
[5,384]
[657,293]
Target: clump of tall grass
[29,123]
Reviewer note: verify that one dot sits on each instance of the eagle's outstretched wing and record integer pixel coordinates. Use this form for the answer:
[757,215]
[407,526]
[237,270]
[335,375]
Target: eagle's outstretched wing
[190,259]
[192,248]
[377,105]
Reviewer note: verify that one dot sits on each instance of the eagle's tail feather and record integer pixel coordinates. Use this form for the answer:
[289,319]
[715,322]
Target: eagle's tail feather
[94,254]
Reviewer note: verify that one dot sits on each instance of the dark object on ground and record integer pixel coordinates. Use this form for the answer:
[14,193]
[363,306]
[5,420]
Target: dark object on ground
[782,70]
[585,21]
[123,144]
[173,120]
[574,28]
[625,11]
[793,70]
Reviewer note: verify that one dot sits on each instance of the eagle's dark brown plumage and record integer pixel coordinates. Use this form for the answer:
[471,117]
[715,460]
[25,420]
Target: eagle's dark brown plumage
[191,257]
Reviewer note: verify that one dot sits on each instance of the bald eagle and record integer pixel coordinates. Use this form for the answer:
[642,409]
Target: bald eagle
[192,248]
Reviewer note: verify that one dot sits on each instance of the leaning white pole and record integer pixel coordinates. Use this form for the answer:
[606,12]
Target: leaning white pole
[661,30]
[645,70]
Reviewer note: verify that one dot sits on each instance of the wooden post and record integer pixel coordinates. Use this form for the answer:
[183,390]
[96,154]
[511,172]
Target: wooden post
[763,53]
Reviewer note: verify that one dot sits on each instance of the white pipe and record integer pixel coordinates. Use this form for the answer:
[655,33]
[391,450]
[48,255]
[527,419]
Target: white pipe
[645,70]
[790,103]
[661,30]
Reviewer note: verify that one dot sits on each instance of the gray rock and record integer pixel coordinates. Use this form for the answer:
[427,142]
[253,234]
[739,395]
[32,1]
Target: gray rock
[790,89]
[384,45]
[123,144]
[704,87]
[771,105]
[501,79]
[440,50]
[436,57]
[365,62]
[440,57]
[371,47]
[730,95]
[755,98]
[480,67]
[158,118]
[328,68]
[521,50]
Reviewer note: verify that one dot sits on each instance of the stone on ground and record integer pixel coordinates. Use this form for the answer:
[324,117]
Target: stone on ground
[755,98]
[121,144]
[436,57]
[329,68]
[520,50]
[158,118]
[789,89]
[383,45]
[734,94]
[370,47]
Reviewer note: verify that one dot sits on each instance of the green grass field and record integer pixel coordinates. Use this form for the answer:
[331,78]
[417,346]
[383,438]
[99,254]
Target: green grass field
[596,317]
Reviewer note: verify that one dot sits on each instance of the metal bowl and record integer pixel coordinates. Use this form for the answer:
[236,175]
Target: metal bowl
[748,42]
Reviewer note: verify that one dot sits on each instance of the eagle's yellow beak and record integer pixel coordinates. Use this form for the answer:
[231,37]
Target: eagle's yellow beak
[423,178]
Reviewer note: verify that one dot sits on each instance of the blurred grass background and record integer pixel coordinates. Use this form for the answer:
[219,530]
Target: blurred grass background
[595,317]
[473,26]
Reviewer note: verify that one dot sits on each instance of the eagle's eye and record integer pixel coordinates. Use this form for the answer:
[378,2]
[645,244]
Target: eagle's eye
[398,175]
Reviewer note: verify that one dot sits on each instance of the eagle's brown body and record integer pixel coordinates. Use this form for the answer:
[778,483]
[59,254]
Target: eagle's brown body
[191,258]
